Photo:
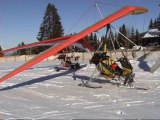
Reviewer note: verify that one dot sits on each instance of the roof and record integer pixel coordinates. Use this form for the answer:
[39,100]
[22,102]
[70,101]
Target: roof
[152,33]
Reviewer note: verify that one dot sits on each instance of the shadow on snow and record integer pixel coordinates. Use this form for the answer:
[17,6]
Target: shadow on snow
[143,64]
[41,79]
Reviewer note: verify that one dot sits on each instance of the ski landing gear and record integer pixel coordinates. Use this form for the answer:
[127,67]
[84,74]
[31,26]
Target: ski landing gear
[87,83]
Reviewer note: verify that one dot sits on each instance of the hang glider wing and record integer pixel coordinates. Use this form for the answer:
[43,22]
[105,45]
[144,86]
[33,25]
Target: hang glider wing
[55,49]
[41,43]
[83,44]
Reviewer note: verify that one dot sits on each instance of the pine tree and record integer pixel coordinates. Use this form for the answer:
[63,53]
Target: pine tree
[132,34]
[115,39]
[21,52]
[0,49]
[111,42]
[91,39]
[119,36]
[124,31]
[132,37]
[155,24]
[137,37]
[95,41]
[150,24]
[51,26]
[1,53]
[158,22]
[102,40]
[121,39]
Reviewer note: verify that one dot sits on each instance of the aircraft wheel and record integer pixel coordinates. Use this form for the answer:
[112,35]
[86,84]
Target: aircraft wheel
[72,67]
[78,66]
[57,69]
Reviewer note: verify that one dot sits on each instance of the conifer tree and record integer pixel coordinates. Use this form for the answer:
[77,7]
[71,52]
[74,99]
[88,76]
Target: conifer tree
[132,37]
[21,52]
[158,22]
[1,54]
[150,24]
[137,37]
[115,39]
[51,26]
[132,34]
[95,41]
[123,30]
[121,39]
[0,48]
[91,39]
[155,24]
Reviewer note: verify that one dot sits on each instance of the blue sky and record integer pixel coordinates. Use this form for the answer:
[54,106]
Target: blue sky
[20,19]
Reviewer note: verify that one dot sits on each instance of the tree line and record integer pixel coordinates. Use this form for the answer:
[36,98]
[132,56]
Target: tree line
[154,23]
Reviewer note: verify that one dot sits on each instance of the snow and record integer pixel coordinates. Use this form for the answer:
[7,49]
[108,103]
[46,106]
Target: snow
[42,93]
[152,33]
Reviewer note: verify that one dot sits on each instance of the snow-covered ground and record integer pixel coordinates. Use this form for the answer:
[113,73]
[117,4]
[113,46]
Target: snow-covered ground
[42,93]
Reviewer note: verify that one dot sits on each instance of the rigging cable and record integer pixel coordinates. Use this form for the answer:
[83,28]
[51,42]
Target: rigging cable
[114,27]
[124,36]
[74,25]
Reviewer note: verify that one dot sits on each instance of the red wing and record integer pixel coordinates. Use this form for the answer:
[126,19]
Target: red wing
[42,43]
[83,44]
[55,49]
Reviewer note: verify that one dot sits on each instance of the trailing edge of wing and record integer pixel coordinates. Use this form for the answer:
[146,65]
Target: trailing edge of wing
[42,43]
[83,44]
[55,49]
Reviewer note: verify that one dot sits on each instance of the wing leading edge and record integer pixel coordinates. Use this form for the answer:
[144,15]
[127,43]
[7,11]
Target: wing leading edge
[55,49]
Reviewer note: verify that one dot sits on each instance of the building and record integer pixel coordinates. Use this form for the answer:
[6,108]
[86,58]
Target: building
[152,36]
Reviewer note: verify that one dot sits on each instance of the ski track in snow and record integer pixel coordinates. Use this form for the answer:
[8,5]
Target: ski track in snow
[42,93]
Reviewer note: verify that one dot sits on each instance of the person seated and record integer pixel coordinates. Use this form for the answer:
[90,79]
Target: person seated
[76,58]
[126,65]
[95,58]
[61,57]
[104,56]
[116,68]
[68,62]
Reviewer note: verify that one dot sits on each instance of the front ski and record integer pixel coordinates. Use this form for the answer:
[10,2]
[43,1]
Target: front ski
[87,84]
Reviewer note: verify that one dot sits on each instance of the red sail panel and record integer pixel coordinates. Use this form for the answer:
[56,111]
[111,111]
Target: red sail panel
[36,44]
[55,49]
[86,44]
